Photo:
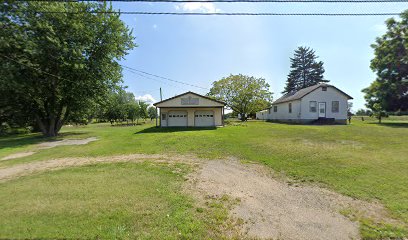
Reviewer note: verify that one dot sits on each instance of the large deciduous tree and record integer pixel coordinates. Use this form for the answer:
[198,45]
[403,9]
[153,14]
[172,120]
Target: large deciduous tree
[305,70]
[143,112]
[152,112]
[120,106]
[243,94]
[57,58]
[389,92]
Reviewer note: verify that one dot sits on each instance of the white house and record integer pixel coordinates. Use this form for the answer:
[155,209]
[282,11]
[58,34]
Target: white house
[321,102]
[262,115]
[190,110]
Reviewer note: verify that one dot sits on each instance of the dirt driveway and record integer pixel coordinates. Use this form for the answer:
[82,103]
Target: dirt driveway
[273,209]
[270,207]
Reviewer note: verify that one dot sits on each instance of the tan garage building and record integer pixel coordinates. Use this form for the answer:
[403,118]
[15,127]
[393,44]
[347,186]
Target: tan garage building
[190,110]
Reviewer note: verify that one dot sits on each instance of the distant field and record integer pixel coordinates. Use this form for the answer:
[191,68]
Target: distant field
[364,160]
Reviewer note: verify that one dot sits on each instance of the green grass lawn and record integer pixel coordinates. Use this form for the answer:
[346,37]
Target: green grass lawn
[105,201]
[364,160]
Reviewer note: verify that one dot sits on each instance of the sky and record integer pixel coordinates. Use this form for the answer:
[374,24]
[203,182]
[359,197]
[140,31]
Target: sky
[202,49]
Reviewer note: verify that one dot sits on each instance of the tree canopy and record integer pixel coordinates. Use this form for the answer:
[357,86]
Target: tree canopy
[119,106]
[243,94]
[54,66]
[152,112]
[305,70]
[389,92]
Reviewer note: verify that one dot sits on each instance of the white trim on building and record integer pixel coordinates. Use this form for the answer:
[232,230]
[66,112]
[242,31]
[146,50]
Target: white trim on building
[190,110]
[321,101]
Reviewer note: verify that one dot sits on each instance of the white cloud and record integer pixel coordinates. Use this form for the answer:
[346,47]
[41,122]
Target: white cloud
[146,98]
[204,7]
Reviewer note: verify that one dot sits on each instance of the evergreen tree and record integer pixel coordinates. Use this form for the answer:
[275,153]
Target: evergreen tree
[305,70]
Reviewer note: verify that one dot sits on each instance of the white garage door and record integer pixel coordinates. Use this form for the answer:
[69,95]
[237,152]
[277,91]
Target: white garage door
[177,119]
[204,118]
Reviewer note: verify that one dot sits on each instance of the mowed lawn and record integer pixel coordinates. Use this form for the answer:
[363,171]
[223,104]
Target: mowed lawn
[104,201]
[364,160]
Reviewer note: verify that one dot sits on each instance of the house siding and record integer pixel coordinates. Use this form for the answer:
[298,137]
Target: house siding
[262,115]
[328,97]
[191,114]
[176,102]
[300,107]
[191,103]
[283,115]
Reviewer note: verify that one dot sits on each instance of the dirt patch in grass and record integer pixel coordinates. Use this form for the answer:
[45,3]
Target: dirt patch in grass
[18,155]
[271,207]
[52,144]
[263,205]
[46,145]
[40,166]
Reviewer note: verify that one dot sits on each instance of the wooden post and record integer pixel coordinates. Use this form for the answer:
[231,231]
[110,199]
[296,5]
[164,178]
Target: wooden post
[160,123]
[222,116]
[156,116]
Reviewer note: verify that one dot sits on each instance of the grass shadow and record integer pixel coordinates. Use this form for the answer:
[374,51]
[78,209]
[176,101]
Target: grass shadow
[14,141]
[392,124]
[173,129]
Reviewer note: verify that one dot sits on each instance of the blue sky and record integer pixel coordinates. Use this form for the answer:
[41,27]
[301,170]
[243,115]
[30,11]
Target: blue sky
[203,49]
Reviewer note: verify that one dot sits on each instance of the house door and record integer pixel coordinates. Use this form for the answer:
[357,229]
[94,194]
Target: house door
[322,109]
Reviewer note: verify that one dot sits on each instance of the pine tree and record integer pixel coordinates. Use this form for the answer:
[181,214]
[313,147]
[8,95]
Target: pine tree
[305,70]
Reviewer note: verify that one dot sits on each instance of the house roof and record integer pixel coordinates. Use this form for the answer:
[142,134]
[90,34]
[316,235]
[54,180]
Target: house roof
[296,95]
[189,92]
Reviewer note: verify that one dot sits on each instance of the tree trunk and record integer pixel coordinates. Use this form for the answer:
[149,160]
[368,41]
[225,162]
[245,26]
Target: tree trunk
[379,119]
[243,117]
[48,127]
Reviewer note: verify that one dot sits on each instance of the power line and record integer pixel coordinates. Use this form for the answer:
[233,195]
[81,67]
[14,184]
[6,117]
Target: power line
[165,78]
[133,70]
[230,14]
[239,1]
[154,79]
[61,78]
[37,69]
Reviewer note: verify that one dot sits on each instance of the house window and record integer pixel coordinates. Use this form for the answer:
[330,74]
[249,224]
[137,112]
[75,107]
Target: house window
[164,116]
[275,108]
[335,106]
[312,106]
[324,89]
[269,111]
[290,107]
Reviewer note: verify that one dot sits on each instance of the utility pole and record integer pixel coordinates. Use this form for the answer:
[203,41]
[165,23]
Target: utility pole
[156,116]
[159,114]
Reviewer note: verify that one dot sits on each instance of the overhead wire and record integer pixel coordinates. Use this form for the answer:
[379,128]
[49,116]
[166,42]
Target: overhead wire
[165,78]
[37,69]
[229,13]
[328,14]
[157,80]
[237,1]
[53,75]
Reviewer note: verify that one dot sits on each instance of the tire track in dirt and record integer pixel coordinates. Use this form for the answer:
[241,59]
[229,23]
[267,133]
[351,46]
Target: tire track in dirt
[270,207]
